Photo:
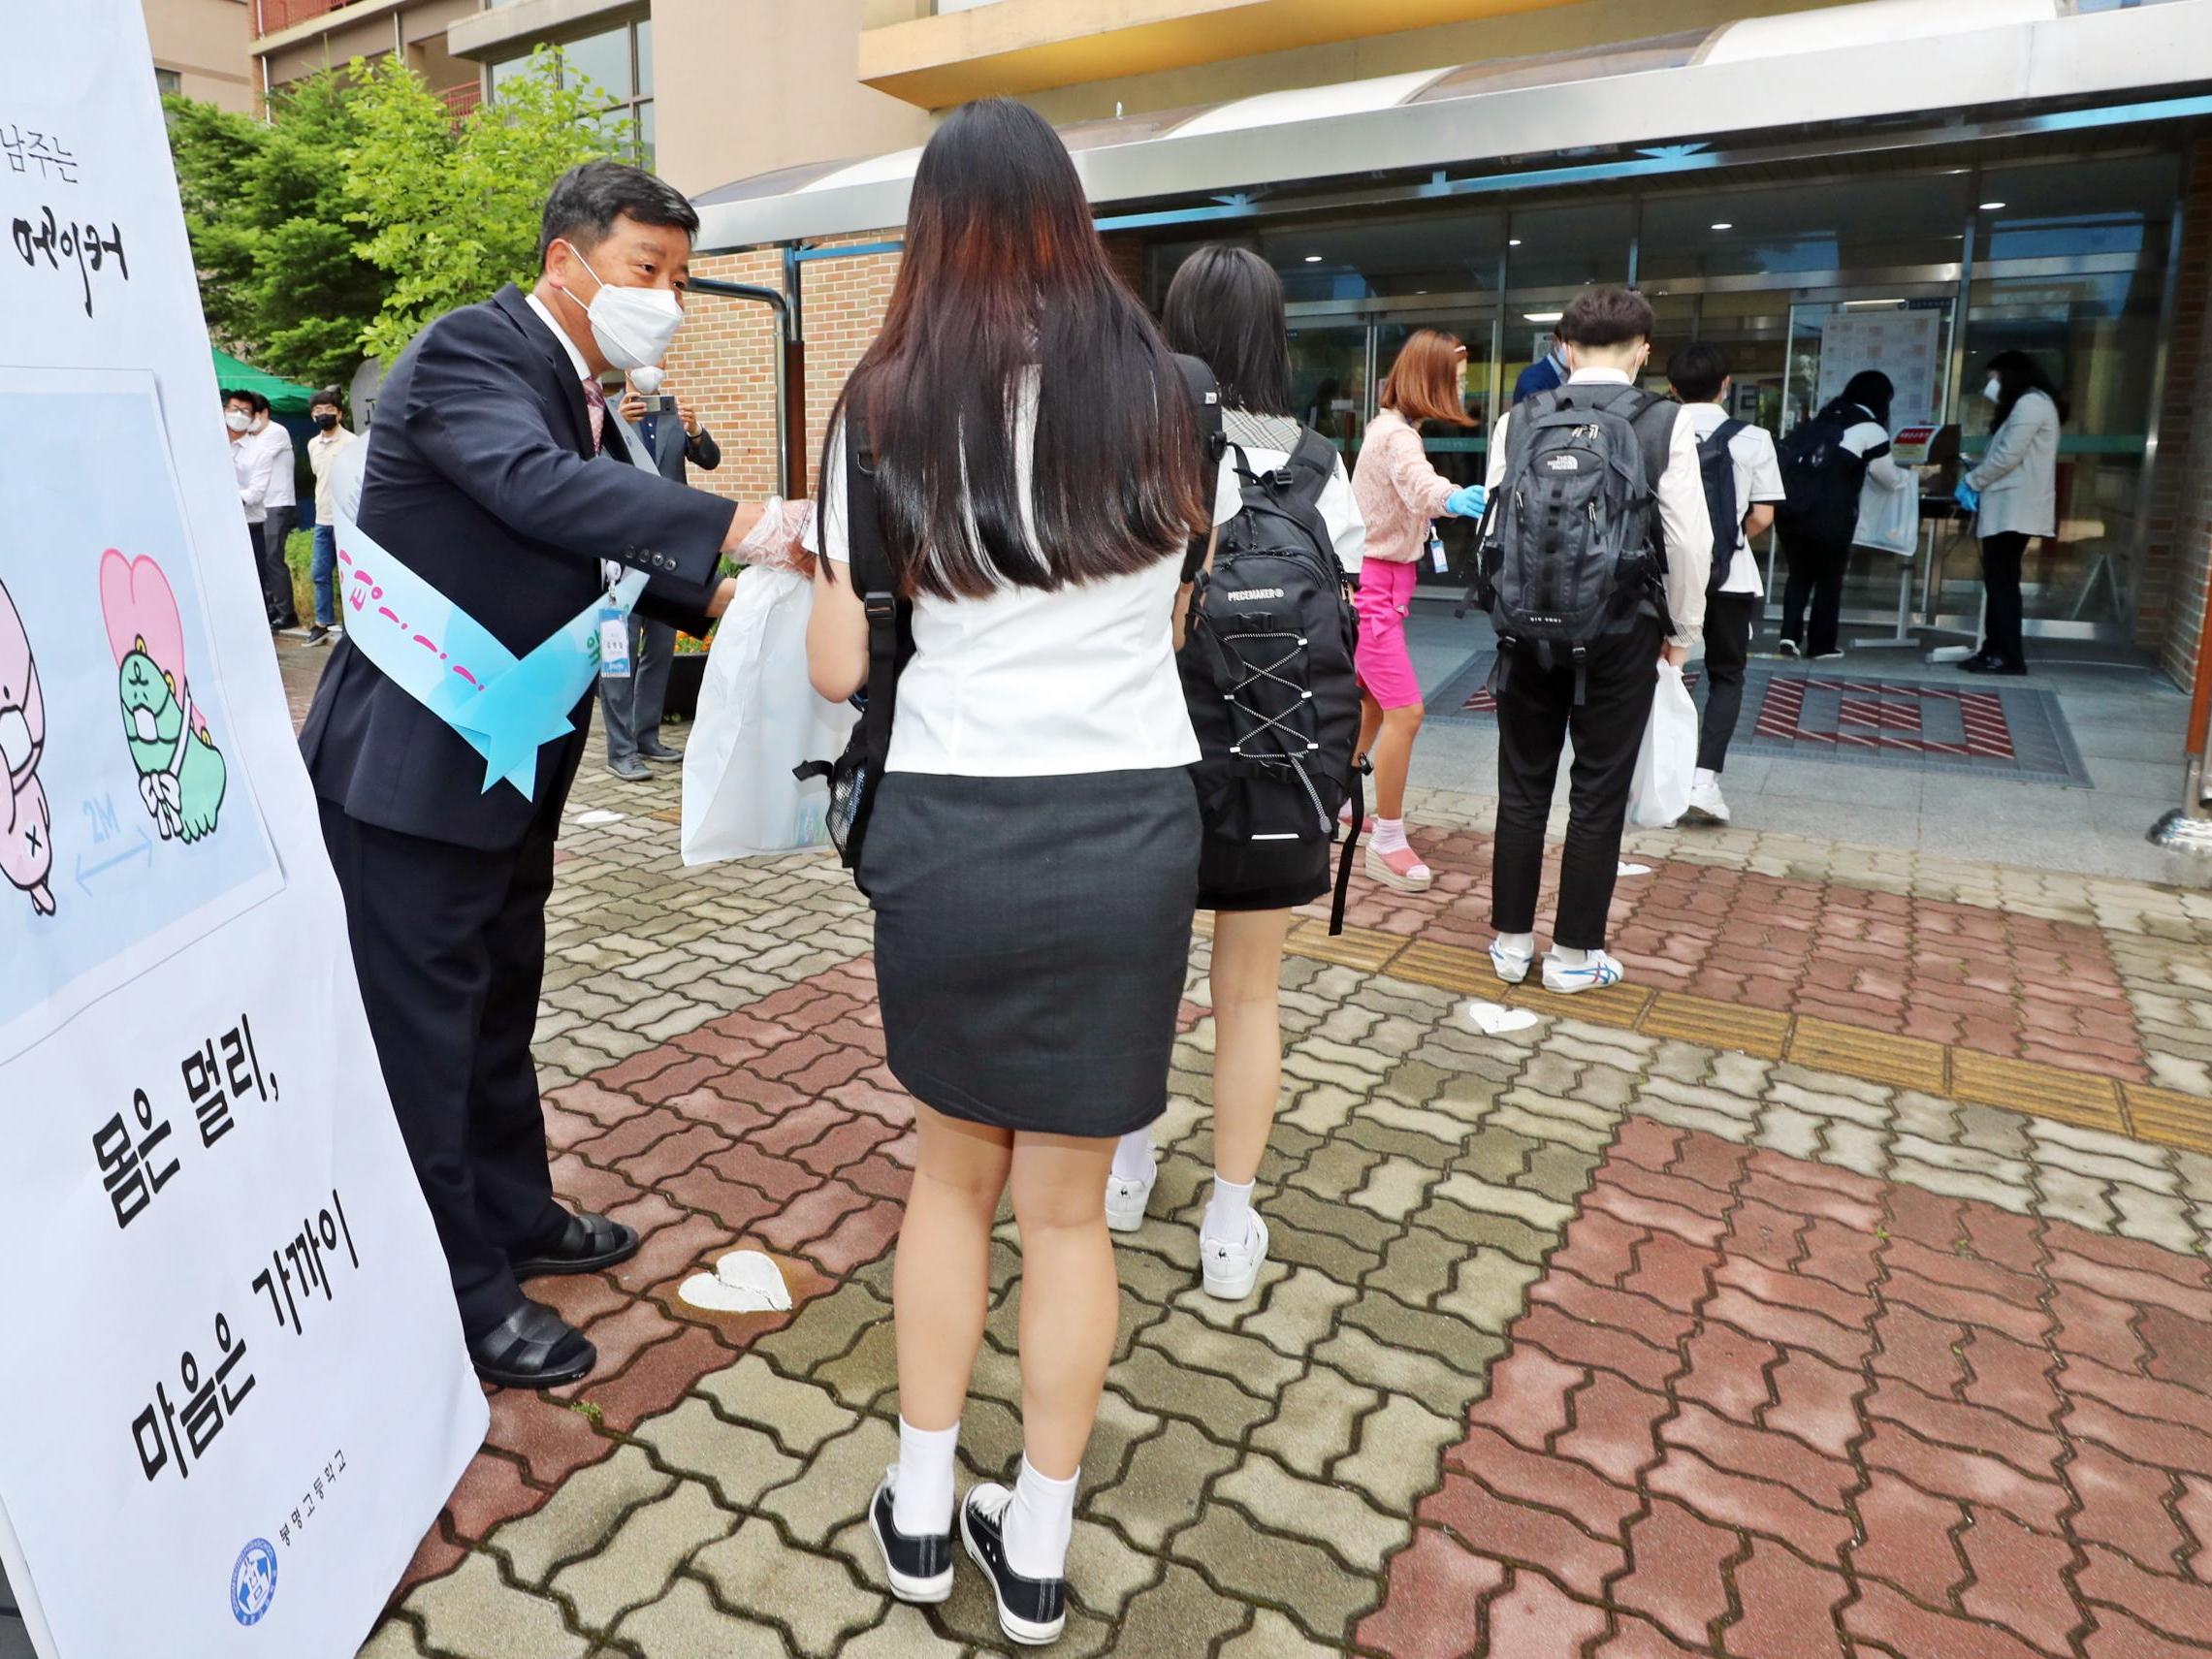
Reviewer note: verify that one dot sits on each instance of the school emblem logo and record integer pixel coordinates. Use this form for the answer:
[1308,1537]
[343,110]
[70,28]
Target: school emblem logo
[253,1581]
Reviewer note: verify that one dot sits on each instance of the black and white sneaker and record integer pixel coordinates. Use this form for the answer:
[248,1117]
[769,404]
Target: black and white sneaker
[919,1568]
[1031,1611]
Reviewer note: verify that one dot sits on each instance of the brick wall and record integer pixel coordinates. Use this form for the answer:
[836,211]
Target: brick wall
[725,360]
[2177,556]
[278,15]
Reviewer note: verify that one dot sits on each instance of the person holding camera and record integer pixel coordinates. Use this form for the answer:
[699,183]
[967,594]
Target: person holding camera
[629,706]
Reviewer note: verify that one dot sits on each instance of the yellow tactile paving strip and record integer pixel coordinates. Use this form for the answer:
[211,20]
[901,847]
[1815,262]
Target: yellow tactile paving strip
[2167,1117]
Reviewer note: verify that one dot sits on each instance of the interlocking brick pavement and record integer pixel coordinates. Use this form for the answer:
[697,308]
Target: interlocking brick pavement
[1676,1324]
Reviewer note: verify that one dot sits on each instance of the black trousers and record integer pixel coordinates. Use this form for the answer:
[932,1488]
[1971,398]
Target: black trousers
[449,944]
[1729,621]
[630,707]
[1537,710]
[275,573]
[2000,556]
[1815,572]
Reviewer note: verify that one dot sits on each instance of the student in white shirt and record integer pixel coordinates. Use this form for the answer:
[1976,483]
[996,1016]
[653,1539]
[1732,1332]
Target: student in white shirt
[1735,595]
[331,440]
[1032,849]
[280,506]
[1225,309]
[251,462]
[1817,530]
[1605,701]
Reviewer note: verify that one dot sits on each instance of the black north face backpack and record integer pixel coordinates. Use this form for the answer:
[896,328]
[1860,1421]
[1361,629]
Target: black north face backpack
[1570,540]
[1266,665]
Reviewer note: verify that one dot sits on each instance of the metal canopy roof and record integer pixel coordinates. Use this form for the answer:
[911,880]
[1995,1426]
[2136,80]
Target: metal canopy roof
[1893,59]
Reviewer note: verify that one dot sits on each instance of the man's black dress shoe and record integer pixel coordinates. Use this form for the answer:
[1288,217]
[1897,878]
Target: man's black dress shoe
[1980,662]
[532,1347]
[586,1244]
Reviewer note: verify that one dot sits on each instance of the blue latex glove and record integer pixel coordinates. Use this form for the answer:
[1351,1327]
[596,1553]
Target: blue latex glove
[1465,502]
[1968,497]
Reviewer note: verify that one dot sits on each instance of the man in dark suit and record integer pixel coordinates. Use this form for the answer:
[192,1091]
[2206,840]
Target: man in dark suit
[630,704]
[488,477]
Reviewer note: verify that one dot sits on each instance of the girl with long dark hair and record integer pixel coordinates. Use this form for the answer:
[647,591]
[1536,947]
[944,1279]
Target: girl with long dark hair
[1033,849]
[1225,309]
[2014,496]
[1818,553]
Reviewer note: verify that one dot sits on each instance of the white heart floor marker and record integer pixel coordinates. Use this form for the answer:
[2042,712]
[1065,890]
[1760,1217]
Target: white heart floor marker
[597,818]
[743,1282]
[1620,870]
[1494,1019]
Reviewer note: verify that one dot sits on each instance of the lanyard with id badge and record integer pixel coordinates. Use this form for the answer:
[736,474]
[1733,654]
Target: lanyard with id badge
[1438,560]
[613,630]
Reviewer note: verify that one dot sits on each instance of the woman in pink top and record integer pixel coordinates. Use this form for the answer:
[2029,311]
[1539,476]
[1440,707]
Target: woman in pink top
[1398,493]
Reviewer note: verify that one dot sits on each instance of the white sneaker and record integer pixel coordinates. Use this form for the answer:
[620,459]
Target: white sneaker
[1594,974]
[1706,807]
[1233,1269]
[1509,966]
[1126,1200]
[1828,656]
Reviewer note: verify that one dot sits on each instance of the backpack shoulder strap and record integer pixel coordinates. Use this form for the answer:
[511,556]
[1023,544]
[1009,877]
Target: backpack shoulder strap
[1313,463]
[1213,441]
[1725,432]
[877,582]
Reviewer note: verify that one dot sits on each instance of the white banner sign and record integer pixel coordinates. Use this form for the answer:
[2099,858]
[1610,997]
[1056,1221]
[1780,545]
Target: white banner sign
[232,1361]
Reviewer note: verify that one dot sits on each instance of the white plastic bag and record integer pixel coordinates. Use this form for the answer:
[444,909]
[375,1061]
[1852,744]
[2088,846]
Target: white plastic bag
[760,717]
[1889,520]
[1660,793]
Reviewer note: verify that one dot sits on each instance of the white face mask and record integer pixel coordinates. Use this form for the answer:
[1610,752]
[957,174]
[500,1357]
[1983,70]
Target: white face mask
[633,326]
[646,382]
[1993,391]
[238,420]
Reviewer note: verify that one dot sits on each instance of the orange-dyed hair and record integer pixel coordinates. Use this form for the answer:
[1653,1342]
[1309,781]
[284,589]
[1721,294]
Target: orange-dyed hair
[1424,383]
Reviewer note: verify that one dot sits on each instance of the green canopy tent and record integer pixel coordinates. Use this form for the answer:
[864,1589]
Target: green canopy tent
[285,399]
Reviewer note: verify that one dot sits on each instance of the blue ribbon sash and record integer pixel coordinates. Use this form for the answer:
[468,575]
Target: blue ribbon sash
[506,707]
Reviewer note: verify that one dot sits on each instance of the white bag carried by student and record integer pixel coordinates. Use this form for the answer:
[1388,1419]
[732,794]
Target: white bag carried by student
[1889,520]
[1664,765]
[760,717]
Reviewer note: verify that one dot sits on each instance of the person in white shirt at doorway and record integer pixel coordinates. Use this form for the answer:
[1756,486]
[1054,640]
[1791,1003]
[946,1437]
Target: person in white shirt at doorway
[250,461]
[1735,595]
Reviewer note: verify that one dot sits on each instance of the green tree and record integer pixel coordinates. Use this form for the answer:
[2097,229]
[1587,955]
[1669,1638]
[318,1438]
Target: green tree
[448,213]
[266,207]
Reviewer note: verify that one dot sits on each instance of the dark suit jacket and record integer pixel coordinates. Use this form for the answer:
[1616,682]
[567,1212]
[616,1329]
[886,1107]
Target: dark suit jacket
[671,448]
[481,479]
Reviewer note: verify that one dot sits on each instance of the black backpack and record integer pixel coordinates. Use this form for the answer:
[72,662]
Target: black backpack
[1821,478]
[1267,664]
[1570,538]
[1717,465]
[854,774]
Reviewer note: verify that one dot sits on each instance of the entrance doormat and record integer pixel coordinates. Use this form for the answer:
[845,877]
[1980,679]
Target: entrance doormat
[2003,728]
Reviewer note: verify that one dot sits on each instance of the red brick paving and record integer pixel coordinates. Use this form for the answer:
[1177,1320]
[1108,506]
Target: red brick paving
[1760,1409]
[2018,986]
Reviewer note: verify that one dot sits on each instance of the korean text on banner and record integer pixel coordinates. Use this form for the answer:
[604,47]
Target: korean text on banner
[233,1356]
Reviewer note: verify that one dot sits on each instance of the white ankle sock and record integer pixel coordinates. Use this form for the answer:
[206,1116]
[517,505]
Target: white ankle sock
[921,1497]
[1568,957]
[1132,1156]
[1517,943]
[1389,836]
[1705,777]
[1227,1213]
[1038,1523]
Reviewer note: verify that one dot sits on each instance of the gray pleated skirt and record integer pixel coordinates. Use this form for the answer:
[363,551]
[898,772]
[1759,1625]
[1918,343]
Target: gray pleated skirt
[1032,937]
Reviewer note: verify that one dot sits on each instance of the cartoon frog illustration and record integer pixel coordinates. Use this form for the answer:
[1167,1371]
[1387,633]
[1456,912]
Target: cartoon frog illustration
[27,825]
[181,775]
[181,772]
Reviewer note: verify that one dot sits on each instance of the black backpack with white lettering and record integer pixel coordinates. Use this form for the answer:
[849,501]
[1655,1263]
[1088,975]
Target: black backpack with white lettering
[1570,539]
[1267,664]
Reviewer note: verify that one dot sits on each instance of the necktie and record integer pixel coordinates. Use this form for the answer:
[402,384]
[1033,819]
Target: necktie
[596,401]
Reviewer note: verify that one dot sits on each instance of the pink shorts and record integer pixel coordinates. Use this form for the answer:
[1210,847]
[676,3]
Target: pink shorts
[1385,600]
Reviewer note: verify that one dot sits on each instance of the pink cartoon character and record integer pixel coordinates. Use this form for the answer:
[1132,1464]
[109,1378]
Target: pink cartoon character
[181,775]
[26,826]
